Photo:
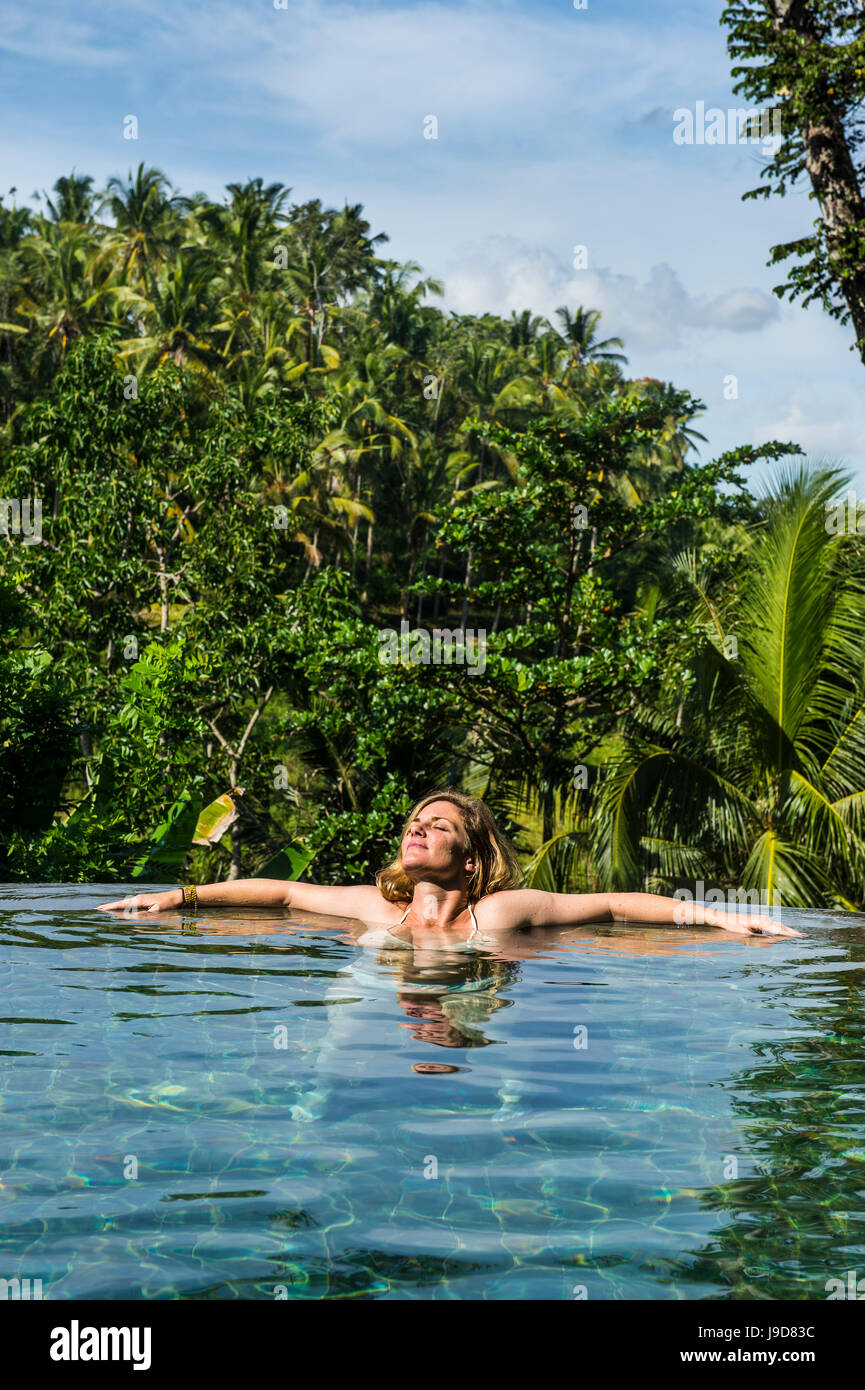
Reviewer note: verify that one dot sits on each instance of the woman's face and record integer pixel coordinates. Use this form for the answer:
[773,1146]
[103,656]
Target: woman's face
[434,843]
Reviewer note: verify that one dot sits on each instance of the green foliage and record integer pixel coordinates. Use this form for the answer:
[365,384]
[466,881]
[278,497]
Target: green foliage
[551,543]
[758,779]
[807,60]
[260,451]
[172,841]
[290,863]
[36,739]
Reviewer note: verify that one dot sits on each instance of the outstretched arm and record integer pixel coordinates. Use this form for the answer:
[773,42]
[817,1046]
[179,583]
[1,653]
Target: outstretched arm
[533,907]
[239,892]
[650,907]
[335,901]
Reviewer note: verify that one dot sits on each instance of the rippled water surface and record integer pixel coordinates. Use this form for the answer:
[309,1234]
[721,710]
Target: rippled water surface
[254,1106]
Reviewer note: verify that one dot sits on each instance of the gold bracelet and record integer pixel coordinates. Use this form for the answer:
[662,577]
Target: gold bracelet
[190,896]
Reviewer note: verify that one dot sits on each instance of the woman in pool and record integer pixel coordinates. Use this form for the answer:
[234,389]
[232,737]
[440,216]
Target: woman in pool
[454,885]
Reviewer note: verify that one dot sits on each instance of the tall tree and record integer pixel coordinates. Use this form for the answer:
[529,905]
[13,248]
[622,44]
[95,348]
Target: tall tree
[147,223]
[75,199]
[761,780]
[578,336]
[811,55]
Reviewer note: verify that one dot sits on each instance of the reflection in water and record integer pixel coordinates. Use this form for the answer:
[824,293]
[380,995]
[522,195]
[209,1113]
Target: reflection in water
[448,996]
[791,1197]
[468,999]
[707,1143]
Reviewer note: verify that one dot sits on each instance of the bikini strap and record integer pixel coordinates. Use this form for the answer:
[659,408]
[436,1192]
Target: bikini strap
[471,914]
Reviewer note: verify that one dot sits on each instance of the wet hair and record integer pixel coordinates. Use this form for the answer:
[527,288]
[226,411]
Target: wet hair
[496,865]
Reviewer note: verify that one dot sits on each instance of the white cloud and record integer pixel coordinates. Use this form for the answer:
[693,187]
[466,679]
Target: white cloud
[357,73]
[35,32]
[502,274]
[823,421]
[555,127]
[741,311]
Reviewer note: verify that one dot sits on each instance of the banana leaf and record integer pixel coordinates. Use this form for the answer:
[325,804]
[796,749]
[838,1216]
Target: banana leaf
[289,863]
[216,818]
[171,840]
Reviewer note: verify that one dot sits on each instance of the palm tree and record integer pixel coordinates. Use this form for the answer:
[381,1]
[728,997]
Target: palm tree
[549,362]
[395,307]
[678,435]
[267,361]
[320,501]
[367,426]
[15,224]
[760,781]
[174,318]
[524,328]
[487,379]
[243,234]
[62,295]
[333,256]
[75,199]
[578,336]
[147,223]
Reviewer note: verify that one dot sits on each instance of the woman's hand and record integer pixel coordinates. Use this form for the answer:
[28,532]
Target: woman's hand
[146,902]
[759,926]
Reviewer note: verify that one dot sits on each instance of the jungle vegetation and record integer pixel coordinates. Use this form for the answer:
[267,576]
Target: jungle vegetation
[258,444]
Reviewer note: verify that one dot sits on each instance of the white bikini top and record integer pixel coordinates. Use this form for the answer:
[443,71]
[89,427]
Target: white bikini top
[381,936]
[471,914]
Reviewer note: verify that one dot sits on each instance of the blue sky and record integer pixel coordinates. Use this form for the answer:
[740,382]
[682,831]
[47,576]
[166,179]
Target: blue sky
[555,129]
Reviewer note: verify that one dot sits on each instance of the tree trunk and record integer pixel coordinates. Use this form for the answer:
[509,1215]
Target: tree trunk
[830,167]
[309,561]
[236,833]
[86,742]
[236,852]
[468,580]
[163,615]
[405,595]
[354,530]
[437,599]
[420,597]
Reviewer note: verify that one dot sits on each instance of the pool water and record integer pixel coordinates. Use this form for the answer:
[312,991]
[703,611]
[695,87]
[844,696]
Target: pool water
[251,1105]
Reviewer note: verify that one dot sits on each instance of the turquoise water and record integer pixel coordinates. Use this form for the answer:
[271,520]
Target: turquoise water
[253,1106]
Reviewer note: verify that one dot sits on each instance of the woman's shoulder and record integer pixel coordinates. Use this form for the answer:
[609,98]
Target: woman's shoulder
[503,909]
[380,908]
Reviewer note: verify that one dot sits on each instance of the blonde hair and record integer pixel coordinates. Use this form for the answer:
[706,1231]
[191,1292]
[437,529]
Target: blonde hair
[496,866]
